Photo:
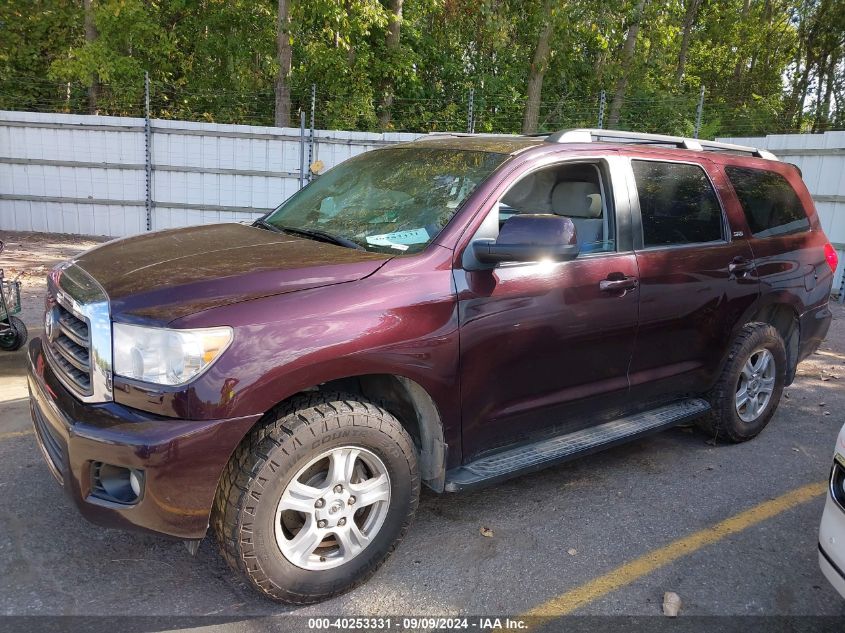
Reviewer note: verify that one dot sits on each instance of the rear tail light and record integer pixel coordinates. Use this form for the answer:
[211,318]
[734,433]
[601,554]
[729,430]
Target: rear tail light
[831,256]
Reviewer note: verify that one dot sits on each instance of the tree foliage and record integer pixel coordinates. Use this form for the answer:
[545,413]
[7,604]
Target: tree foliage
[766,65]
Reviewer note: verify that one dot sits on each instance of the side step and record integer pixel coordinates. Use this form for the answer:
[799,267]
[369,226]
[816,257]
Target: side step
[555,450]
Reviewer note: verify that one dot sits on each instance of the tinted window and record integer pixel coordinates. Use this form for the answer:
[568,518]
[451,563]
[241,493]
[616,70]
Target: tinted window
[677,203]
[770,203]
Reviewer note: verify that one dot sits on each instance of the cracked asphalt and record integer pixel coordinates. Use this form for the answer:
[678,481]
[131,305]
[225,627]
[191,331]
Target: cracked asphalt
[551,531]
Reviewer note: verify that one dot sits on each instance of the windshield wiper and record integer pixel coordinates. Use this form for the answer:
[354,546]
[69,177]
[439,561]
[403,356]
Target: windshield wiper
[315,234]
[266,225]
[323,236]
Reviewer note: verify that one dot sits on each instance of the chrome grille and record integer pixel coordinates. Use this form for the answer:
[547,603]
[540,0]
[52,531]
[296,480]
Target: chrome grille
[77,328]
[69,346]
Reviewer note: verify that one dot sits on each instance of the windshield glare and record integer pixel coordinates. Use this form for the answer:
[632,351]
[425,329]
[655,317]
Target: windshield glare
[391,200]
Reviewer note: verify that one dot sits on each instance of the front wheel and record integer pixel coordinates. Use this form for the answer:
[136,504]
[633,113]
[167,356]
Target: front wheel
[315,500]
[748,391]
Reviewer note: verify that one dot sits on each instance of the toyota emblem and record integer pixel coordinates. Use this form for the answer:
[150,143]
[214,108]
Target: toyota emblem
[49,323]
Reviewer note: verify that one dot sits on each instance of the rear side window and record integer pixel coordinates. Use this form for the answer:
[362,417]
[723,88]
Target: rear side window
[770,203]
[677,203]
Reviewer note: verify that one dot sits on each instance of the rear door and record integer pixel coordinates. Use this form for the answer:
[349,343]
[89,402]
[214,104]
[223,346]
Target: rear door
[788,248]
[696,277]
[788,245]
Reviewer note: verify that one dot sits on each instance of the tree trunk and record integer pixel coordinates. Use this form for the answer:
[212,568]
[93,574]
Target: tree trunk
[828,92]
[802,95]
[625,66]
[284,55]
[690,18]
[350,52]
[391,42]
[792,101]
[90,37]
[825,78]
[539,65]
[810,31]
[740,62]
[768,25]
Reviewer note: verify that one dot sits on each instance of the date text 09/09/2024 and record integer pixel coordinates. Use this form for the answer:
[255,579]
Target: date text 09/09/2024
[418,623]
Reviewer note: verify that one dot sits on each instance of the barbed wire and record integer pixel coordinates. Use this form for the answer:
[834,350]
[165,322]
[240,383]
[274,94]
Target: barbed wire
[490,111]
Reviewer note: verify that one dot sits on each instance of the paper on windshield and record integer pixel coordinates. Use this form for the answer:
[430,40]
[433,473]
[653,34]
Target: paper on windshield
[399,238]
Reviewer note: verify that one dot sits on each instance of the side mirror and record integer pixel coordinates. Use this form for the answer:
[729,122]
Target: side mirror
[530,238]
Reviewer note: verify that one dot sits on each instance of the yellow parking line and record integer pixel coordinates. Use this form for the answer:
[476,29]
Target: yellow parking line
[629,572]
[11,434]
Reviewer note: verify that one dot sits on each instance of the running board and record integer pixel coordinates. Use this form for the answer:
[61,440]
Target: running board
[555,450]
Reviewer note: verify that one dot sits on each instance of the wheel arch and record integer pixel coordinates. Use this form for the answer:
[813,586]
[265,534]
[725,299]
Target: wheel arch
[783,315]
[409,402]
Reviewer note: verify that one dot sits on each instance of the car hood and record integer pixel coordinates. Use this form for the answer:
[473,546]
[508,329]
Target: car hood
[167,275]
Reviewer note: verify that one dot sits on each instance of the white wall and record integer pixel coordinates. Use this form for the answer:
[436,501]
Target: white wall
[81,174]
[85,174]
[821,158]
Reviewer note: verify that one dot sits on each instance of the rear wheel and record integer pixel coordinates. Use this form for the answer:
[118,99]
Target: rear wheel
[748,391]
[314,501]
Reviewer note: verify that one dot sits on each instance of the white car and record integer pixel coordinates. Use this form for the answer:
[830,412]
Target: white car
[832,530]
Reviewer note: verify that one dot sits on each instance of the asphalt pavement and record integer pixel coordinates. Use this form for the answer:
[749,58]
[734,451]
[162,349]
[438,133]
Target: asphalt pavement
[553,533]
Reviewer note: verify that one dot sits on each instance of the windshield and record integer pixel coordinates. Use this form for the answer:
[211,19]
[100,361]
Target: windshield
[390,200]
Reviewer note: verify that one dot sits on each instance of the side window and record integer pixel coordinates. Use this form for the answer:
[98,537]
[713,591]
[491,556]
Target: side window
[577,191]
[677,203]
[770,203]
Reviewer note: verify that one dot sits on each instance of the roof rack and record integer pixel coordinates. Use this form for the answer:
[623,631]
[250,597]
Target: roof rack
[587,135]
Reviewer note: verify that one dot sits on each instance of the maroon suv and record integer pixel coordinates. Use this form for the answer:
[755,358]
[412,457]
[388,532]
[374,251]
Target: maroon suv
[453,311]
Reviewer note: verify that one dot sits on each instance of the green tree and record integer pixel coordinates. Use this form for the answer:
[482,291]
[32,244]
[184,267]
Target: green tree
[767,65]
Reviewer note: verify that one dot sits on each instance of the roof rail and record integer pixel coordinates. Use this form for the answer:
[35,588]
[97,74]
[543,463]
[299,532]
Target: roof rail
[463,134]
[587,135]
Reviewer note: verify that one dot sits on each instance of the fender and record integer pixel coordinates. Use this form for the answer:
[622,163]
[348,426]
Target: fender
[401,321]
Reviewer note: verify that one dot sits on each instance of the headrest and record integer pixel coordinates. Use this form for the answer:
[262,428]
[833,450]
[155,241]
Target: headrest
[520,192]
[576,200]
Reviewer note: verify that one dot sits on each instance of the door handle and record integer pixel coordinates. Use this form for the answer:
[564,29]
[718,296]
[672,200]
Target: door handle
[740,265]
[619,283]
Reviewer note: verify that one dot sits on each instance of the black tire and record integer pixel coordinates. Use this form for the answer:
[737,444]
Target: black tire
[724,421]
[243,518]
[15,337]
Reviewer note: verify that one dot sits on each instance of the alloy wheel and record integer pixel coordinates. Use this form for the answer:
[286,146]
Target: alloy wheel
[332,508]
[756,385]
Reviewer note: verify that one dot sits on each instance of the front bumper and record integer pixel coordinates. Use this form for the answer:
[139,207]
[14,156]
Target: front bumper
[182,459]
[831,571]
[832,543]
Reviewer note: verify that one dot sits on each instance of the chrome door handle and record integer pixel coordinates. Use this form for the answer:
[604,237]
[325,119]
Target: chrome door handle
[740,265]
[625,283]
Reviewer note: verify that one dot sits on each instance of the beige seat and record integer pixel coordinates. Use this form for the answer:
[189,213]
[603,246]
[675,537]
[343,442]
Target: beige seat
[580,201]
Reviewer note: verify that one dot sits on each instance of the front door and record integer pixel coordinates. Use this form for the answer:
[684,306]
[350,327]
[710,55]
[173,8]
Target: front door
[545,346]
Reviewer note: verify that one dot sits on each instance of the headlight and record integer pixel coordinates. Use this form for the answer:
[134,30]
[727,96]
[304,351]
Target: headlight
[164,356]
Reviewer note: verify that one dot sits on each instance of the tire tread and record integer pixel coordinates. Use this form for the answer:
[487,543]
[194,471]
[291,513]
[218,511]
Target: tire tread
[720,421]
[278,431]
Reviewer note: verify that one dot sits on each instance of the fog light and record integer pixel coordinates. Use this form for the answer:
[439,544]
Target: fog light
[117,484]
[135,482]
